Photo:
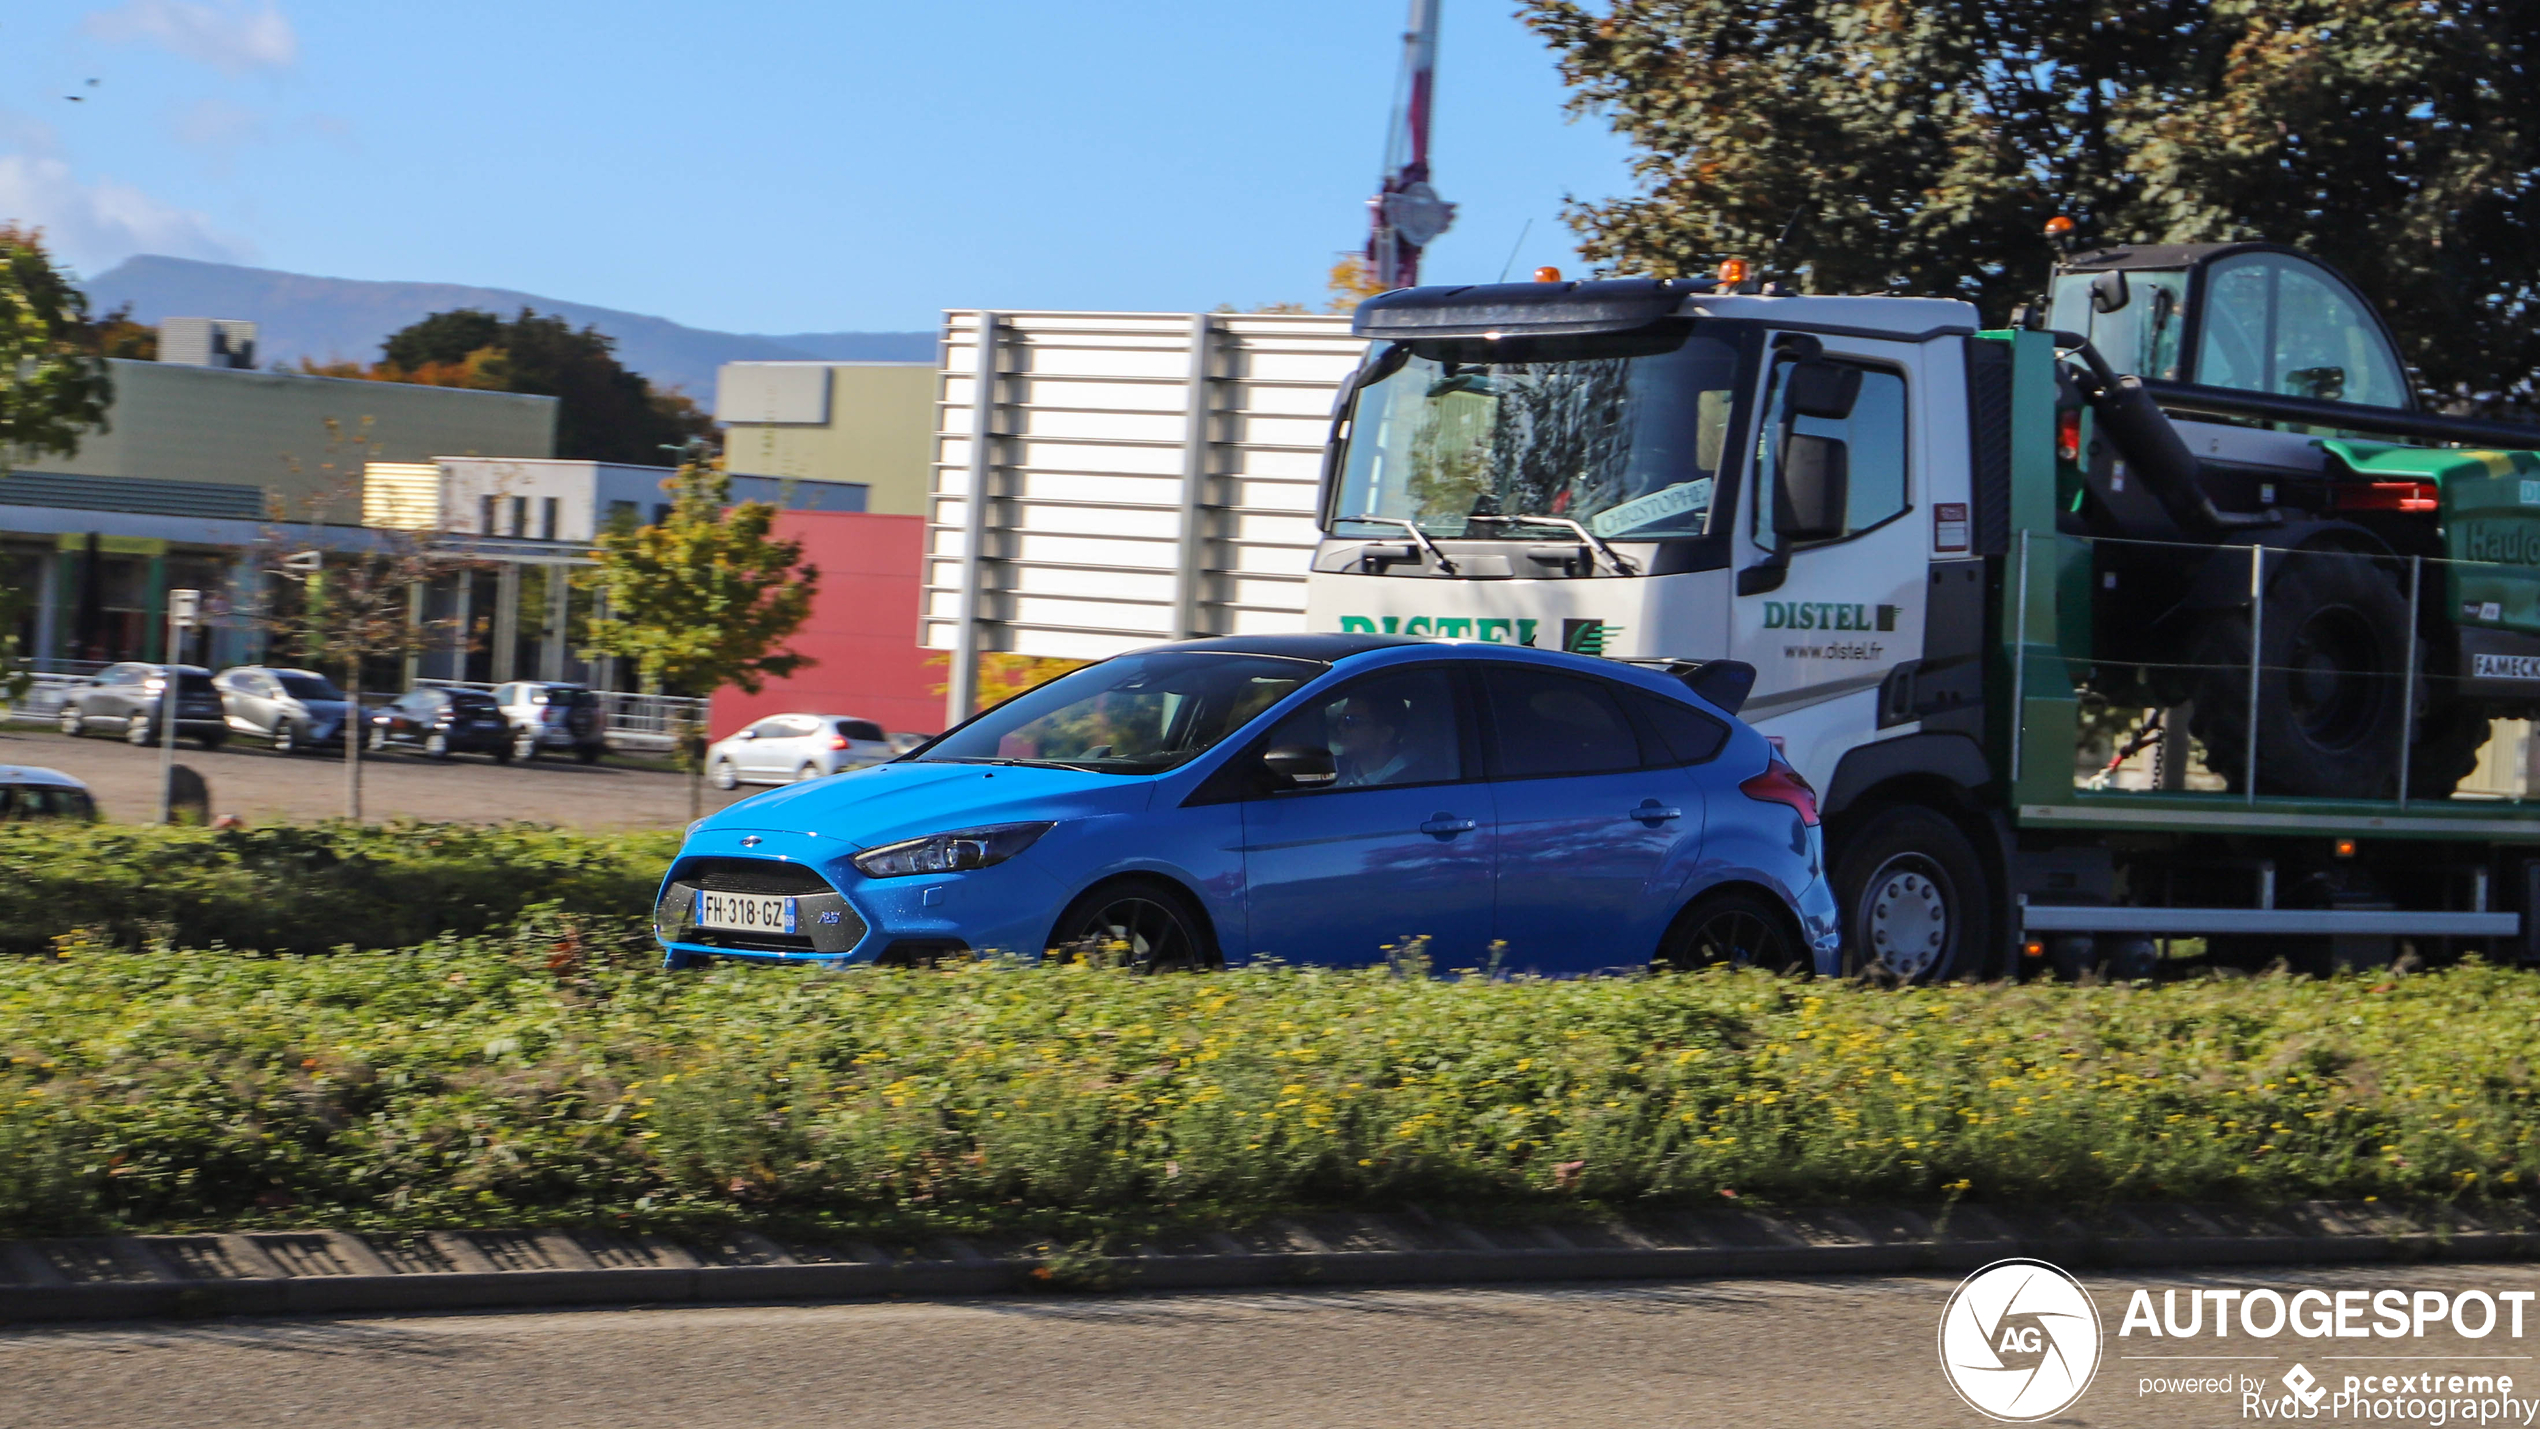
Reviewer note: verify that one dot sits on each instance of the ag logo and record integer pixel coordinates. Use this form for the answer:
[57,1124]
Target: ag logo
[2020,1340]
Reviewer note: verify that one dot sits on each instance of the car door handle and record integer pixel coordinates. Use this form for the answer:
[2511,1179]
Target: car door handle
[1446,824]
[1653,813]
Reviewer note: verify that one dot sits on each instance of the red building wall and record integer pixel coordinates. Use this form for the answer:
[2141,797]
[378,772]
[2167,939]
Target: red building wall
[862,634]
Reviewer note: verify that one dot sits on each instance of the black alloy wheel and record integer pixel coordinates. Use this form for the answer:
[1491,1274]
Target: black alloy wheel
[1731,930]
[1146,927]
[286,738]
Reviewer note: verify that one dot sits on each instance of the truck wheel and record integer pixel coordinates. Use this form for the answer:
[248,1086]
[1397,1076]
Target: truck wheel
[1914,899]
[2448,740]
[2331,690]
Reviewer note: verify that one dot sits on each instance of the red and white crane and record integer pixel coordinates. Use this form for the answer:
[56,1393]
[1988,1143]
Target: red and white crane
[1406,214]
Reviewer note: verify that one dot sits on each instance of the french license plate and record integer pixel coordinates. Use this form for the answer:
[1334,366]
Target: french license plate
[745,912]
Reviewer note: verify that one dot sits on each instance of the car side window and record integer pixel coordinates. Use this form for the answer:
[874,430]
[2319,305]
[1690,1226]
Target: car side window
[769,729]
[1546,723]
[1394,728]
[1674,733]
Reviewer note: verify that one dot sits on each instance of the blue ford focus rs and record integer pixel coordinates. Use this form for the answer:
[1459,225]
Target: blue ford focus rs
[1314,798]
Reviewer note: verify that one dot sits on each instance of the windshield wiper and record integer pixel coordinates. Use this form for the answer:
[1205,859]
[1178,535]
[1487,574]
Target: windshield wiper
[1614,558]
[1416,534]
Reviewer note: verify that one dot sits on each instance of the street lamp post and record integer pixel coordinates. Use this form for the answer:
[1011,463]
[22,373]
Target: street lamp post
[183,607]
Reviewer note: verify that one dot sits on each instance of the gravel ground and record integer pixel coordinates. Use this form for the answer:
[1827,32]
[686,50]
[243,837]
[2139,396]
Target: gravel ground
[1789,1354]
[261,786]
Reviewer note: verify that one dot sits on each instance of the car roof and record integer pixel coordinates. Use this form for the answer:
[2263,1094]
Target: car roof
[1396,649]
[1323,647]
[35,774]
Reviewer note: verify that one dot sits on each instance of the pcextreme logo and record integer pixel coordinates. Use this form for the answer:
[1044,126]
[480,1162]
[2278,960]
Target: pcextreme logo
[1583,637]
[2019,1341]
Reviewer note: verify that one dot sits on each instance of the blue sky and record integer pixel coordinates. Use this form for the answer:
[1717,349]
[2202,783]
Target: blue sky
[778,167]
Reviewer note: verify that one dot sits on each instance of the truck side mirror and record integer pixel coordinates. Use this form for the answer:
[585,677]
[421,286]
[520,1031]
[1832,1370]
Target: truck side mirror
[2109,292]
[1825,390]
[1810,498]
[1300,766]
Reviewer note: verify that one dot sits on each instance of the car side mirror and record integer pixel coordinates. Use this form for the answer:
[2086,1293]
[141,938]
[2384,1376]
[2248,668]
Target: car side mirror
[1810,497]
[1301,766]
[1825,390]
[2109,292]
[747,734]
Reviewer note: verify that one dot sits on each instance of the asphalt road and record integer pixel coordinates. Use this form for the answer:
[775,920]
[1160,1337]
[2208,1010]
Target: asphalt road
[261,786]
[1813,1353]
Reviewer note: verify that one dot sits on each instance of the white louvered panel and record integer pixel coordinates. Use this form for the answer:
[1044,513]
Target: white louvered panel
[1093,473]
[1154,586]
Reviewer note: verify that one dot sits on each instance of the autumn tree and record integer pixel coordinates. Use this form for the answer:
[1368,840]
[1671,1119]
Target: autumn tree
[1920,147]
[53,387]
[704,598]
[604,411]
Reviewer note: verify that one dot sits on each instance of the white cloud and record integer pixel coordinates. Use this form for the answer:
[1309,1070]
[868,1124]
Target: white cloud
[26,134]
[217,125]
[96,225]
[229,35]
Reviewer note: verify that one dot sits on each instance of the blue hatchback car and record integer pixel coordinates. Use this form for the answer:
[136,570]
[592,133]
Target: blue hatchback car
[1314,798]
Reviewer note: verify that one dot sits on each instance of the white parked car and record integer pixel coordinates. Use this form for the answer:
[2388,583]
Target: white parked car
[785,748]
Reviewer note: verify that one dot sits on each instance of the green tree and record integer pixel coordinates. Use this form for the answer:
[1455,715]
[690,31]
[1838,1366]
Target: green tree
[1922,146]
[702,599]
[53,385]
[604,412]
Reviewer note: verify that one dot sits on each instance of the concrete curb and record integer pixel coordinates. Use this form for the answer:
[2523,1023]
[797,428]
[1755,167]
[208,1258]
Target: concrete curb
[320,1271]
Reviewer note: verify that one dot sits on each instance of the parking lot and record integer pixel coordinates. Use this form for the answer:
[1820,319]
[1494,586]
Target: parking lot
[261,786]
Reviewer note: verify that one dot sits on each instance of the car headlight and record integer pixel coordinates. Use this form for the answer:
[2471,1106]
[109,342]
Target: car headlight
[949,853]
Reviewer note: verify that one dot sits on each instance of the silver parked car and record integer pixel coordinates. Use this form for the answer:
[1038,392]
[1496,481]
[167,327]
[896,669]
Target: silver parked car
[294,709]
[546,715]
[790,747]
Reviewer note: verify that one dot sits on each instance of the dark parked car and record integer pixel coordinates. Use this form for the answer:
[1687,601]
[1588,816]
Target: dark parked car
[295,709]
[27,792]
[124,699]
[547,715]
[443,722]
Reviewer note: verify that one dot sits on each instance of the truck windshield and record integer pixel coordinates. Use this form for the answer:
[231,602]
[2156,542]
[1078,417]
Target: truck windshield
[1628,443]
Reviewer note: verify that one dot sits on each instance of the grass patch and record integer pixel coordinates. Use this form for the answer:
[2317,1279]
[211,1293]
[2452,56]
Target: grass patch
[550,1076]
[306,888]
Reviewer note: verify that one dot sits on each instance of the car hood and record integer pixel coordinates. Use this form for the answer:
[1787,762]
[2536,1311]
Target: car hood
[889,802]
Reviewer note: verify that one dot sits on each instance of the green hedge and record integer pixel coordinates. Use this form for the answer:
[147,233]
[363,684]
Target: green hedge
[306,888]
[552,1076]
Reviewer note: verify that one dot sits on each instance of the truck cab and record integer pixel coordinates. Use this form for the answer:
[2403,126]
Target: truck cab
[1662,470]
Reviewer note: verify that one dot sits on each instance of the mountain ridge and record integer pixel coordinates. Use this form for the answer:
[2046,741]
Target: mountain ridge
[329,319]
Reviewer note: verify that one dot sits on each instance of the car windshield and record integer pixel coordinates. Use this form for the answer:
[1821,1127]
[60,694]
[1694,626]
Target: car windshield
[1625,439]
[309,687]
[474,703]
[1137,714]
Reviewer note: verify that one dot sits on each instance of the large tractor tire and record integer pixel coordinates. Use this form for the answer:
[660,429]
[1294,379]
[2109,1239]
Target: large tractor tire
[2332,688]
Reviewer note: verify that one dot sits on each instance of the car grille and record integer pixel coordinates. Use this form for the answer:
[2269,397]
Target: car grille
[827,925]
[751,875]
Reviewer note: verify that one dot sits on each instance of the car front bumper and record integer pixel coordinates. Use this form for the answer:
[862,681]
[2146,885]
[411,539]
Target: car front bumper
[1003,909]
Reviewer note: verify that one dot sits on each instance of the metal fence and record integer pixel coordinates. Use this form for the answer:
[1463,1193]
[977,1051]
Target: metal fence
[2263,671]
